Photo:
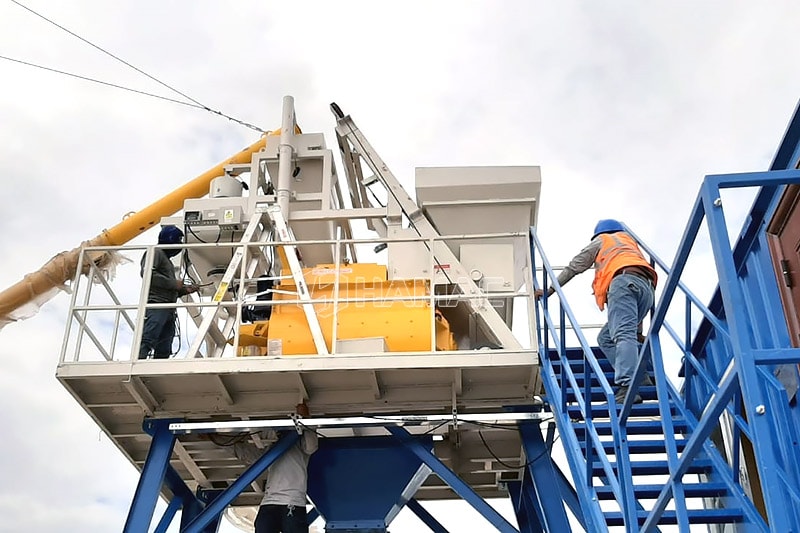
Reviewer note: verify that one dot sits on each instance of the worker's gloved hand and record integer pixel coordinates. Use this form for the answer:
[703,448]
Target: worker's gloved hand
[539,293]
[187,288]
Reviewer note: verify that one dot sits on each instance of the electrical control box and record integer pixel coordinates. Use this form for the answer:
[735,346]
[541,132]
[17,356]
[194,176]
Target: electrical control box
[226,217]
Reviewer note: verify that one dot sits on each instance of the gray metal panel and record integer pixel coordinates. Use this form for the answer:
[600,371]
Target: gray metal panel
[476,188]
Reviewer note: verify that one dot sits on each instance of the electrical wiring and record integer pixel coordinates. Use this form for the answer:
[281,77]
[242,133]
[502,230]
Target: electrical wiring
[93,80]
[196,103]
[196,236]
[220,440]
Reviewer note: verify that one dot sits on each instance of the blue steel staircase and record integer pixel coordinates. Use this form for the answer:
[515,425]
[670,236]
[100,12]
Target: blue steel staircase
[725,447]
[644,450]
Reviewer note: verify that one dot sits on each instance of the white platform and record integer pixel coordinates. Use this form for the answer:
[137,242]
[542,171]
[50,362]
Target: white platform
[119,395]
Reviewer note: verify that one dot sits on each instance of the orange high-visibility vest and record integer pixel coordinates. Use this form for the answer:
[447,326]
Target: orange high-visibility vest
[617,251]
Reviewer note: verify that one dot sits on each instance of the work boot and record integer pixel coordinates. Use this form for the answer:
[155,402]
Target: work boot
[622,391]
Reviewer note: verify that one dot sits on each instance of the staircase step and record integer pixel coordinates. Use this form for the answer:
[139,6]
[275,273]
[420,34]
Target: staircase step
[576,354]
[634,427]
[595,382]
[598,395]
[641,446]
[696,516]
[599,410]
[651,492]
[577,366]
[654,468]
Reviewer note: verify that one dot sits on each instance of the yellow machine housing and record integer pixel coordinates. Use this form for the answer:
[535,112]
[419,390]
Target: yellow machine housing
[384,309]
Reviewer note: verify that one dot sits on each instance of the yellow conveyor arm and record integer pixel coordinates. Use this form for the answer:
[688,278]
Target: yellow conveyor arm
[37,287]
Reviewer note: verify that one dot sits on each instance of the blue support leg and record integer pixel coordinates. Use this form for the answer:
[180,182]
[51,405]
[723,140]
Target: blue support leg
[313,514]
[213,510]
[527,517]
[204,498]
[166,519]
[569,495]
[425,516]
[155,467]
[191,509]
[452,480]
[540,466]
[182,497]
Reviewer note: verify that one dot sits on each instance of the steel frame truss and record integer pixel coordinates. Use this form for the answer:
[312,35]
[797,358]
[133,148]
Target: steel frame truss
[536,510]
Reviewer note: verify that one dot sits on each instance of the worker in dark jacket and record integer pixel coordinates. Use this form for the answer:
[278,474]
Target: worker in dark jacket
[159,324]
[625,281]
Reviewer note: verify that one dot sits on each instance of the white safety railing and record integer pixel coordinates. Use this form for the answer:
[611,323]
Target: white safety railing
[106,316]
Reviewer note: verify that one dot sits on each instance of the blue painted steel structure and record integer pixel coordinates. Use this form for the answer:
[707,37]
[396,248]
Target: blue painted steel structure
[731,414]
[726,445]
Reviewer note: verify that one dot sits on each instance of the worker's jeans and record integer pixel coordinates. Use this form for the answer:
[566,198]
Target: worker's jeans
[157,334]
[629,299]
[281,519]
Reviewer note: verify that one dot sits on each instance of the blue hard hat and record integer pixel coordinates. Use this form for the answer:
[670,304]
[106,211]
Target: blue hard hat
[170,235]
[607,225]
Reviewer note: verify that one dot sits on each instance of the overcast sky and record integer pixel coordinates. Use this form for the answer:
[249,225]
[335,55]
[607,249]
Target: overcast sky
[624,105]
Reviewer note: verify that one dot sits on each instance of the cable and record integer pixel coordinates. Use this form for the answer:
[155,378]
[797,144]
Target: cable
[196,236]
[108,84]
[177,333]
[372,193]
[526,465]
[230,441]
[198,104]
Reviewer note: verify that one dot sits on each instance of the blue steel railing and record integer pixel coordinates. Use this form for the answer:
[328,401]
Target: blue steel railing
[729,368]
[710,386]
[716,389]
[740,390]
[557,382]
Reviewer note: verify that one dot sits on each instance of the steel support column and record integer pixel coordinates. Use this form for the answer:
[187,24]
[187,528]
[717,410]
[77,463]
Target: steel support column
[195,506]
[542,472]
[763,423]
[313,514]
[524,508]
[570,496]
[174,506]
[155,467]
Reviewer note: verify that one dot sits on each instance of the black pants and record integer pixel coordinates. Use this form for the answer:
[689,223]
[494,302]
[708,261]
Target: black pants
[281,519]
[159,329]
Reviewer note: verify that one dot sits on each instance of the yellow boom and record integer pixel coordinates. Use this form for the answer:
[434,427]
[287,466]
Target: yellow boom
[37,287]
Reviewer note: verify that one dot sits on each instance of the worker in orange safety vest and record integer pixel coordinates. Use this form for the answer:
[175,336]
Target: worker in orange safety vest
[625,281]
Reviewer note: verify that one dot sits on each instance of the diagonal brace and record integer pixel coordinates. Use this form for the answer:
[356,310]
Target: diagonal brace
[455,483]
[248,476]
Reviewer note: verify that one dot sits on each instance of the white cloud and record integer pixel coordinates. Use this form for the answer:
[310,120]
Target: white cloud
[625,106]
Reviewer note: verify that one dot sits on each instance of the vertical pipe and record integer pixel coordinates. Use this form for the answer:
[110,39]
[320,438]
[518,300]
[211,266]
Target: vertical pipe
[285,153]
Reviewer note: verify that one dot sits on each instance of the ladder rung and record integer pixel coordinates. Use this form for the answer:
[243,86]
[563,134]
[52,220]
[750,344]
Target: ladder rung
[655,468]
[634,427]
[695,516]
[642,446]
[598,395]
[577,366]
[651,492]
[601,410]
